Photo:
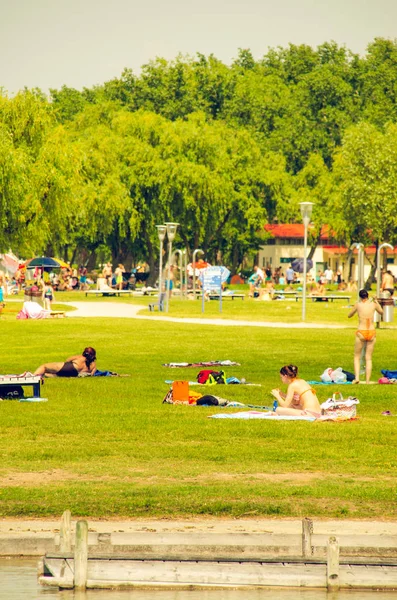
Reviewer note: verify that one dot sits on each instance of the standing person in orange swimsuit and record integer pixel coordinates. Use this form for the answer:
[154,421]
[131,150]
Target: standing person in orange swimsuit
[366,332]
[300,398]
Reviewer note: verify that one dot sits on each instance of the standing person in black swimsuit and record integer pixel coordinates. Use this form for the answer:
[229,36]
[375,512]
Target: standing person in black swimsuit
[72,367]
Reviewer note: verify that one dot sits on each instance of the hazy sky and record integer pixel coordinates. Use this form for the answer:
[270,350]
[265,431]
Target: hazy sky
[49,43]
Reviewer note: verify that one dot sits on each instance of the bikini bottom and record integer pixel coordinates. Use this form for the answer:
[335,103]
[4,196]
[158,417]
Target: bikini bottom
[68,370]
[367,334]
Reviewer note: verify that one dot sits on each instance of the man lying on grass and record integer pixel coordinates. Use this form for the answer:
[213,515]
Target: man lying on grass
[72,367]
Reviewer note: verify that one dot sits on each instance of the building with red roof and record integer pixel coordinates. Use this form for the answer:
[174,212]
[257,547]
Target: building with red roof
[286,243]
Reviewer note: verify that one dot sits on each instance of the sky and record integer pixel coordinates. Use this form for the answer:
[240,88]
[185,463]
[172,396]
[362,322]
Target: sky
[81,43]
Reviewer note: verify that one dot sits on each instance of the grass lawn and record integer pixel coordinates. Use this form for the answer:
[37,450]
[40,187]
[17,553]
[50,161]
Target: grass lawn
[248,309]
[108,446]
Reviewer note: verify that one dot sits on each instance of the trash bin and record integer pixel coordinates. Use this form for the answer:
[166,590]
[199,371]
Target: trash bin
[387,303]
[33,295]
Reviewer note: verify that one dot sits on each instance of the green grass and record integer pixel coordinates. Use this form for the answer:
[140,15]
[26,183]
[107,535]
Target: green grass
[109,447]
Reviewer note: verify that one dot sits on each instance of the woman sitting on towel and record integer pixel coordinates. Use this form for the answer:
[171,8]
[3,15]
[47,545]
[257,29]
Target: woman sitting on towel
[300,398]
[72,367]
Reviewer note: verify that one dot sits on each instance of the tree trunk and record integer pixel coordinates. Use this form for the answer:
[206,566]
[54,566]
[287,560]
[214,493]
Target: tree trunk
[91,262]
[235,259]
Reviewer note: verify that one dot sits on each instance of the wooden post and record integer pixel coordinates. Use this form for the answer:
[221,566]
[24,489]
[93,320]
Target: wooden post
[65,533]
[307,530]
[333,564]
[81,555]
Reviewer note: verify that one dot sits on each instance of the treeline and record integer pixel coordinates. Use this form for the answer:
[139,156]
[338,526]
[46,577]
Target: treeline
[221,149]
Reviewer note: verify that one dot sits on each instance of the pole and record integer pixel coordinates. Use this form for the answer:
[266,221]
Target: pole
[360,266]
[304,272]
[167,300]
[185,273]
[161,270]
[81,555]
[65,533]
[179,253]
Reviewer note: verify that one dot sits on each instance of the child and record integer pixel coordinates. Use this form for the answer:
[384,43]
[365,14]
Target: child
[48,296]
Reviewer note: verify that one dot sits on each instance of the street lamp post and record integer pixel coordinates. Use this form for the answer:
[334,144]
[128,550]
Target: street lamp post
[171,232]
[306,212]
[161,231]
[184,253]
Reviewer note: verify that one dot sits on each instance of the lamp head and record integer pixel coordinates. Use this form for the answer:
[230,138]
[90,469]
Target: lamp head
[171,230]
[306,211]
[161,231]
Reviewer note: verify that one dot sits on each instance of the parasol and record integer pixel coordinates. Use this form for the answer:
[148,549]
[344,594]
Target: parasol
[298,264]
[197,267]
[46,262]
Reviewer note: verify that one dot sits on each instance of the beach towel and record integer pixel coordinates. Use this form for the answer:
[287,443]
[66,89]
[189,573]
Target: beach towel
[329,383]
[268,416]
[32,310]
[211,363]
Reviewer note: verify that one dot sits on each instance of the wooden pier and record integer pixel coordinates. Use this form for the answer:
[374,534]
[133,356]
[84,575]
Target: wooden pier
[187,561]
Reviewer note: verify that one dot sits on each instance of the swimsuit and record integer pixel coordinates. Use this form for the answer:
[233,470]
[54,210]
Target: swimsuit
[367,334]
[308,390]
[308,410]
[68,370]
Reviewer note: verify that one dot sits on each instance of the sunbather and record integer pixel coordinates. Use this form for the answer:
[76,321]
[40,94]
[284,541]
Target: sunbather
[72,367]
[300,398]
[365,334]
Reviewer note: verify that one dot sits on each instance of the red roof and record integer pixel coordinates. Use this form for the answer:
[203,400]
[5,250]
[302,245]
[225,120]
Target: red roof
[343,250]
[293,230]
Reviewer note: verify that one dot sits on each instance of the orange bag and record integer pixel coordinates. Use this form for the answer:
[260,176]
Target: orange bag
[180,390]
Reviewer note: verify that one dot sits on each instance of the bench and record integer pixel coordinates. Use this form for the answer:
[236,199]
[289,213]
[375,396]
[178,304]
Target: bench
[22,380]
[225,295]
[109,292]
[328,298]
[57,314]
[159,304]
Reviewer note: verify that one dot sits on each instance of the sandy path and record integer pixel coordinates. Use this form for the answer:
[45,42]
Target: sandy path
[130,311]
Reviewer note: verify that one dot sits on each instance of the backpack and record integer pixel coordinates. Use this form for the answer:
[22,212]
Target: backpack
[9,392]
[210,377]
[208,400]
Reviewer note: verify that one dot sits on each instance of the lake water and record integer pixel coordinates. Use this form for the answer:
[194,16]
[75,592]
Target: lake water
[18,581]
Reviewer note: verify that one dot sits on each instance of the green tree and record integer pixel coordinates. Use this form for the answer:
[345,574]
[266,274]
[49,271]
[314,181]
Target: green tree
[366,170]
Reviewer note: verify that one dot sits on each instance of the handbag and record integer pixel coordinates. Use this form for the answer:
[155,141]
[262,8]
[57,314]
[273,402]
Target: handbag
[339,408]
